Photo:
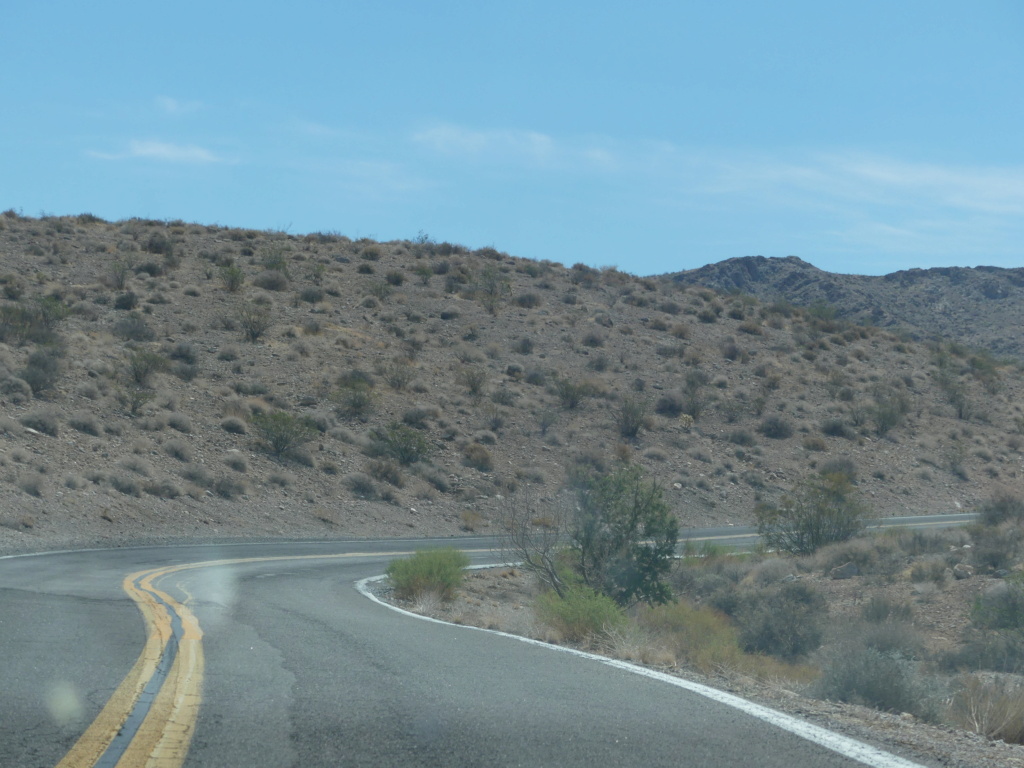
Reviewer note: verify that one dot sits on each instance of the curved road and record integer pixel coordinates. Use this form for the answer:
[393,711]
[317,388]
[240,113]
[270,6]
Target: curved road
[275,659]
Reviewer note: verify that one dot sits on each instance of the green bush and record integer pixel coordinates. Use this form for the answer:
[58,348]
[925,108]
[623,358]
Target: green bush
[1001,606]
[624,537]
[283,432]
[254,321]
[1003,505]
[401,443]
[696,635]
[141,366]
[432,571]
[820,510]
[42,370]
[632,416]
[787,621]
[886,681]
[580,615]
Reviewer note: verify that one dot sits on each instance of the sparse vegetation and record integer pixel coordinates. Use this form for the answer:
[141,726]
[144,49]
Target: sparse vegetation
[437,572]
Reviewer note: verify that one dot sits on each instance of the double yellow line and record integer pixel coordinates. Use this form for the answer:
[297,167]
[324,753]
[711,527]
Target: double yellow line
[149,719]
[151,716]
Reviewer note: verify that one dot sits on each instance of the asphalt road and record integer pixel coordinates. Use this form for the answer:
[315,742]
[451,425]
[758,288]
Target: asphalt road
[281,662]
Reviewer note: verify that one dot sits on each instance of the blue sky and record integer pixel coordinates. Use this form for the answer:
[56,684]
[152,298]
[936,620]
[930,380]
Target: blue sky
[655,136]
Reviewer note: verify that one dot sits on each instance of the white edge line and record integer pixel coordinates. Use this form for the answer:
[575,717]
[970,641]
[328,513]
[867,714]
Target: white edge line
[843,745]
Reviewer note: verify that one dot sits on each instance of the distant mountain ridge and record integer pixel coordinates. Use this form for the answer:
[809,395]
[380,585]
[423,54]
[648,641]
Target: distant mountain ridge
[979,306]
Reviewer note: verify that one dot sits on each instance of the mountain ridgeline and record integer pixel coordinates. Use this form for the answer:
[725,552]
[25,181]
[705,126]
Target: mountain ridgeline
[979,306]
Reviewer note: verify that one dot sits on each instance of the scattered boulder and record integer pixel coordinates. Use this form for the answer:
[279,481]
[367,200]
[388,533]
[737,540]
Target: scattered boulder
[962,571]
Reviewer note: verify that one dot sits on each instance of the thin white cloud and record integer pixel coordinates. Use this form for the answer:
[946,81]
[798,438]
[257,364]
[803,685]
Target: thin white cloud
[172,106]
[162,151]
[312,128]
[502,146]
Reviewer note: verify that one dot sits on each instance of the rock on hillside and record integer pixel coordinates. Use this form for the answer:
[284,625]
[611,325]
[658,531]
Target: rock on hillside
[979,306]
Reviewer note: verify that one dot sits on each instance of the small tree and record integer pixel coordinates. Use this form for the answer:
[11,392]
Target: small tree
[820,510]
[533,536]
[624,537]
[283,432]
[254,321]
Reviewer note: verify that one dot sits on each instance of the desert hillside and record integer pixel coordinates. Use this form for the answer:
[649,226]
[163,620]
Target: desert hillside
[980,306]
[174,380]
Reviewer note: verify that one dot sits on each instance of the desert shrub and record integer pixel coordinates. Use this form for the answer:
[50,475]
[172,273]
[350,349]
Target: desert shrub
[837,428]
[45,420]
[881,609]
[271,280]
[776,427]
[126,484]
[742,437]
[229,487]
[33,484]
[237,461]
[254,320]
[401,443]
[164,489]
[143,364]
[126,301]
[17,390]
[996,547]
[632,416]
[571,393]
[180,422]
[787,621]
[397,373]
[85,423]
[234,425]
[178,449]
[524,345]
[354,398]
[311,294]
[624,537]
[580,615]
[999,651]
[528,300]
[1000,606]
[42,370]
[477,456]
[473,379]
[183,351]
[698,636]
[990,706]
[670,405]
[281,432]
[36,323]
[133,328]
[890,682]
[232,278]
[361,485]
[198,474]
[1001,506]
[385,471]
[281,479]
[593,339]
[820,510]
[428,572]
[228,353]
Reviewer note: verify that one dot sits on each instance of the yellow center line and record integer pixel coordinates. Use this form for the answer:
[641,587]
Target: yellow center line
[165,734]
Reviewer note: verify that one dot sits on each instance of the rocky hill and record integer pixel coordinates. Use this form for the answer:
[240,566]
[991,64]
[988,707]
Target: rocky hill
[979,306]
[175,380]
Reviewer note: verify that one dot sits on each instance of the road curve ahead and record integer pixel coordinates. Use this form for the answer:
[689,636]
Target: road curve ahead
[266,655]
